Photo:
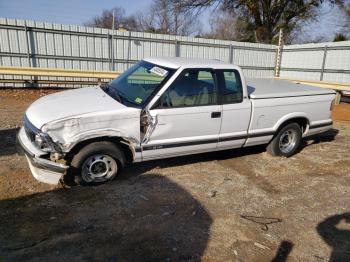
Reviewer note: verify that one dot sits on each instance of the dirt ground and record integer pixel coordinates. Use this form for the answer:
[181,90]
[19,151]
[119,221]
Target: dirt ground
[238,205]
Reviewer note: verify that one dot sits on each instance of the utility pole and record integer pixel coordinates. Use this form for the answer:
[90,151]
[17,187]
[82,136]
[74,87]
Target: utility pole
[113,20]
[279,54]
[113,29]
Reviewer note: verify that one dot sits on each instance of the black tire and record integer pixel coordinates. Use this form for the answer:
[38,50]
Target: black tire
[279,145]
[105,152]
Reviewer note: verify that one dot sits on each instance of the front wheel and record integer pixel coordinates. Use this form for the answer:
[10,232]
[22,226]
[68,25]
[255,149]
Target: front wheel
[96,163]
[286,142]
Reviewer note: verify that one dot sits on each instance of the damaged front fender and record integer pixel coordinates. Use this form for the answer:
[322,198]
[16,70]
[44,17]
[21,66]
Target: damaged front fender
[131,142]
[70,132]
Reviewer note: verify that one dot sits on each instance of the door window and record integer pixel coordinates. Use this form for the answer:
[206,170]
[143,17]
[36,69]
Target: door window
[191,88]
[232,87]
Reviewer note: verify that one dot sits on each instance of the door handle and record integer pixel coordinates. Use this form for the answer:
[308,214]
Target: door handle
[215,114]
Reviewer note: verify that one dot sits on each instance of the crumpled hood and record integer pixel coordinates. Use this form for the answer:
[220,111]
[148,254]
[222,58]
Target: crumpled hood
[69,104]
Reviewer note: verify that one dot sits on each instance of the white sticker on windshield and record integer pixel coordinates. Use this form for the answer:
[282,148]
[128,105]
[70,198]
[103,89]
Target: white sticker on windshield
[159,71]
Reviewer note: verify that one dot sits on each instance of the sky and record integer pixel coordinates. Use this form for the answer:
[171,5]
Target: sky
[65,11]
[329,22]
[80,11]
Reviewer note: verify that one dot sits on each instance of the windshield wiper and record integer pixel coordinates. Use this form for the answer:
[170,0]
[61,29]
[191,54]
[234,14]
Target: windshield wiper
[113,93]
[117,94]
[119,98]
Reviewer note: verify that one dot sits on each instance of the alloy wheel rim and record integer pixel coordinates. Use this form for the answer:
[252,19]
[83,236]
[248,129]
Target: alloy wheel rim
[99,168]
[288,141]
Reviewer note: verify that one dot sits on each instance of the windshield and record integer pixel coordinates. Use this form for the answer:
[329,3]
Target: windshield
[137,84]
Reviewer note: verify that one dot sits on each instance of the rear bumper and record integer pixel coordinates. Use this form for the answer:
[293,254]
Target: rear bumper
[42,169]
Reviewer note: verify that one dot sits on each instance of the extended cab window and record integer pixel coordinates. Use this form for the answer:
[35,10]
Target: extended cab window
[192,88]
[231,87]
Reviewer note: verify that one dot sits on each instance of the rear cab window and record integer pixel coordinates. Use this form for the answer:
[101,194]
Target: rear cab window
[230,86]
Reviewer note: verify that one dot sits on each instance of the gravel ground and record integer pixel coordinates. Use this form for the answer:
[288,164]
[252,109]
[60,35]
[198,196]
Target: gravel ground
[238,205]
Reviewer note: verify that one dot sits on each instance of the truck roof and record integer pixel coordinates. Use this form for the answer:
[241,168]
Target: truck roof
[260,88]
[177,62]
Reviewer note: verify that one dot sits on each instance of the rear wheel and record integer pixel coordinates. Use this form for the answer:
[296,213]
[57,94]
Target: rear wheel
[96,163]
[287,141]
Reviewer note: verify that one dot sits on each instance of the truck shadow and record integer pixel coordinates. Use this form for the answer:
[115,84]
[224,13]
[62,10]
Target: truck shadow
[8,141]
[145,218]
[327,136]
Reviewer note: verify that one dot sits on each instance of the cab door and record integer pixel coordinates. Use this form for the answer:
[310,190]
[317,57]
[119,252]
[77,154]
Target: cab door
[236,110]
[187,116]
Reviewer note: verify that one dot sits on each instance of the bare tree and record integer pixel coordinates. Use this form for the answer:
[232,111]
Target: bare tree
[345,7]
[105,20]
[226,25]
[266,16]
[168,17]
[223,25]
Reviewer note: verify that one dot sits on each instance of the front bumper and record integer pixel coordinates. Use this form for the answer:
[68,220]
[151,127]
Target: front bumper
[42,169]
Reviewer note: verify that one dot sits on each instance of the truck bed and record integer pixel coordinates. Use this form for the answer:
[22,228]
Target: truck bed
[262,88]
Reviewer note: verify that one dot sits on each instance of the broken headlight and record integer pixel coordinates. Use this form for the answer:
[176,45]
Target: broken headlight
[44,142]
[39,138]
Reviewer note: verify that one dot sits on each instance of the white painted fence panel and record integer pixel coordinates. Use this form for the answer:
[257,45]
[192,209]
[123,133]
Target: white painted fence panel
[38,44]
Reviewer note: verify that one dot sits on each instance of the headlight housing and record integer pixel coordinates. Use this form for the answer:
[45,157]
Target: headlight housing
[39,138]
[43,142]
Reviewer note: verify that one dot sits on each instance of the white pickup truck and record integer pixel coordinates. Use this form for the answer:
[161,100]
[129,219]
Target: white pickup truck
[166,107]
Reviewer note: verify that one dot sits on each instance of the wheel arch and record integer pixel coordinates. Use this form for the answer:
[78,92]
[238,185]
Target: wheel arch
[122,143]
[300,118]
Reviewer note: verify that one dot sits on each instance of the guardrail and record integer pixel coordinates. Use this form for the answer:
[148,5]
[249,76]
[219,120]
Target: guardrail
[9,70]
[85,77]
[104,76]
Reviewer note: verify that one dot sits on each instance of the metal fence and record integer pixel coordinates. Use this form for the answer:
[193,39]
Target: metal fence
[26,43]
[37,44]
[319,62]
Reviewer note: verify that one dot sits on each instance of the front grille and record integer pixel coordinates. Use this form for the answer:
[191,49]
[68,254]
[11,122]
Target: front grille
[30,129]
